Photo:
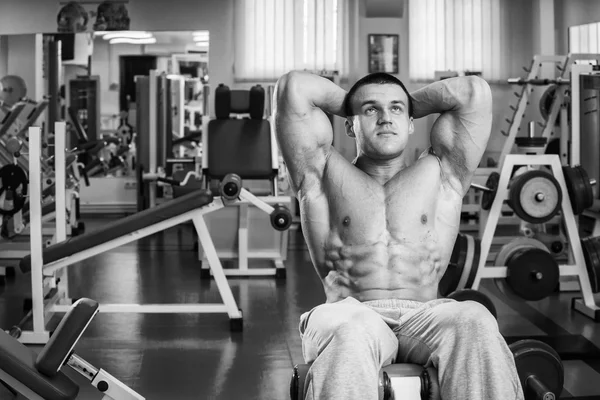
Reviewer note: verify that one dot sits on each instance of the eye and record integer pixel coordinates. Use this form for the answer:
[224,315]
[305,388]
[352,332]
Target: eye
[370,110]
[396,109]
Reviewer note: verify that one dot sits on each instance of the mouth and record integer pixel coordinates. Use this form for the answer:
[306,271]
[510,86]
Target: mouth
[386,133]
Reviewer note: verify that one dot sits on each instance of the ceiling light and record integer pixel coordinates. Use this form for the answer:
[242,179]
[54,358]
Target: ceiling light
[150,40]
[127,34]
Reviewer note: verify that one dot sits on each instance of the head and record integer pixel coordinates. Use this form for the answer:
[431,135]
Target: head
[379,116]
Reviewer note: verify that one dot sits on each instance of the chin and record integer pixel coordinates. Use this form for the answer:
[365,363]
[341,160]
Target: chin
[387,154]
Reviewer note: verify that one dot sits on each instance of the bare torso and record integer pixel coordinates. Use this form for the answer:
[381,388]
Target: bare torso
[373,241]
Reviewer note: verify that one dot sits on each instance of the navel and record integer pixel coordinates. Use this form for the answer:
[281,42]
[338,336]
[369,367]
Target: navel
[346,221]
[424,219]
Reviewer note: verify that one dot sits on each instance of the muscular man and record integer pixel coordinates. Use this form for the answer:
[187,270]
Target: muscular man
[380,234]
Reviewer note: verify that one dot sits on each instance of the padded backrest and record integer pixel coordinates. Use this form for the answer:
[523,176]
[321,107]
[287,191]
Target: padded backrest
[229,102]
[56,352]
[240,146]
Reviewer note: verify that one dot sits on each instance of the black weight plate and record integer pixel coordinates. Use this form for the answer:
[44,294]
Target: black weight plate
[591,255]
[553,147]
[536,358]
[587,199]
[487,198]
[451,278]
[596,266]
[475,265]
[526,141]
[522,269]
[579,189]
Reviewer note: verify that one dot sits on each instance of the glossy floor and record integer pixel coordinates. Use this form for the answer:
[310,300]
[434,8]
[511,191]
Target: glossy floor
[180,357]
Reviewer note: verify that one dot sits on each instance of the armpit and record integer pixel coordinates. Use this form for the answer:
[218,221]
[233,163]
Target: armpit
[427,152]
[443,175]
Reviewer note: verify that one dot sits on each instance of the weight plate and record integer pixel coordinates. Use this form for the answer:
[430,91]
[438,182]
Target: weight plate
[535,196]
[535,358]
[12,89]
[587,199]
[591,254]
[474,264]
[514,245]
[579,188]
[532,274]
[451,278]
[487,198]
[553,147]
[546,104]
[526,141]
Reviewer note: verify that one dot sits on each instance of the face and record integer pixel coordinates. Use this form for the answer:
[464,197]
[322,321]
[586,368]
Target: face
[381,124]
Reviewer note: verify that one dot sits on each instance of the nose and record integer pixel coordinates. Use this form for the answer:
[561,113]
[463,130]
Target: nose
[385,117]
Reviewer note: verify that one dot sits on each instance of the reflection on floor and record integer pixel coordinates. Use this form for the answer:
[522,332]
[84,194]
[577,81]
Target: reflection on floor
[180,357]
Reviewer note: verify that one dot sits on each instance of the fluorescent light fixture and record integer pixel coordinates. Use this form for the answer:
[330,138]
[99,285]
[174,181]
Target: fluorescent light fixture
[201,33]
[127,34]
[150,40]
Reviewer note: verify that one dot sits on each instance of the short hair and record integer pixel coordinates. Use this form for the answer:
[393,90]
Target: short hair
[377,78]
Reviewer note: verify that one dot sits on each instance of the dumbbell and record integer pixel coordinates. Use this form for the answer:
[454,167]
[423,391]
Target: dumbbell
[230,187]
[474,295]
[539,367]
[281,217]
[408,382]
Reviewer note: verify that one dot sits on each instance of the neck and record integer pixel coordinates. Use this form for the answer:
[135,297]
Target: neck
[381,170]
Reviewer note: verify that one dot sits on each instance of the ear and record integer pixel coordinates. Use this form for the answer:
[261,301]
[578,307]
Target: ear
[411,126]
[349,128]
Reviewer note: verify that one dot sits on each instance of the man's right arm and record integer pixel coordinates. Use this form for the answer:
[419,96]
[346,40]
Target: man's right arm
[302,128]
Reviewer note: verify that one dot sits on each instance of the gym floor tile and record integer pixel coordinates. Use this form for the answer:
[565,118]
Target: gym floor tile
[581,379]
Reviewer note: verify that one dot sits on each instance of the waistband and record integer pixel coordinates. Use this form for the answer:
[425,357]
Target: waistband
[393,303]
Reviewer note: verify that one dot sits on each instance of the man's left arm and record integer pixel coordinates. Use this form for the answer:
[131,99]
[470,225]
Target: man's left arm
[460,135]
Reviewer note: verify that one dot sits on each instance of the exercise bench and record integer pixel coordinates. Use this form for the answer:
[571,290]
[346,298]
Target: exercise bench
[40,376]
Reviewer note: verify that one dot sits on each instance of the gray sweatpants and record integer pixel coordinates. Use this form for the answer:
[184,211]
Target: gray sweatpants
[349,341]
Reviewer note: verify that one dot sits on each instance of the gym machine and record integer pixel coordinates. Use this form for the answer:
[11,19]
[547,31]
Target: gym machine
[44,264]
[553,106]
[41,376]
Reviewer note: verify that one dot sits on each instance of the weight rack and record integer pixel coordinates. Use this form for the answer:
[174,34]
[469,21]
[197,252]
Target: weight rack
[588,305]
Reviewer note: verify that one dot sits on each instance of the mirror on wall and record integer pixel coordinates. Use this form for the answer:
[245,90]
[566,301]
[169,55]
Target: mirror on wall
[91,76]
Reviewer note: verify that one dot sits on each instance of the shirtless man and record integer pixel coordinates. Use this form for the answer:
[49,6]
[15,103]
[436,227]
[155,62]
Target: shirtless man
[380,234]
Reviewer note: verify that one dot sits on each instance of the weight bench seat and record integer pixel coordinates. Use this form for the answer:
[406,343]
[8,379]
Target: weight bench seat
[18,361]
[122,227]
[41,373]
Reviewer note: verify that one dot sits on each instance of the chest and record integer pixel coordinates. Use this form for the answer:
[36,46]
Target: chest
[407,207]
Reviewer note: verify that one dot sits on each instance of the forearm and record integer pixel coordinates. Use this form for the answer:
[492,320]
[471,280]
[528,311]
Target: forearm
[462,94]
[316,91]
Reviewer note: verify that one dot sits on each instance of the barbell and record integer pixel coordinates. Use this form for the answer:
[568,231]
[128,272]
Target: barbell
[535,195]
[538,81]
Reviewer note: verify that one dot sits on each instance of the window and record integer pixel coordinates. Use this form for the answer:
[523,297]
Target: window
[585,38]
[456,35]
[273,37]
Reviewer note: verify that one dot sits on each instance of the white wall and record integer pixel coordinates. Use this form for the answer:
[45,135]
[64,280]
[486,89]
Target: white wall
[573,12]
